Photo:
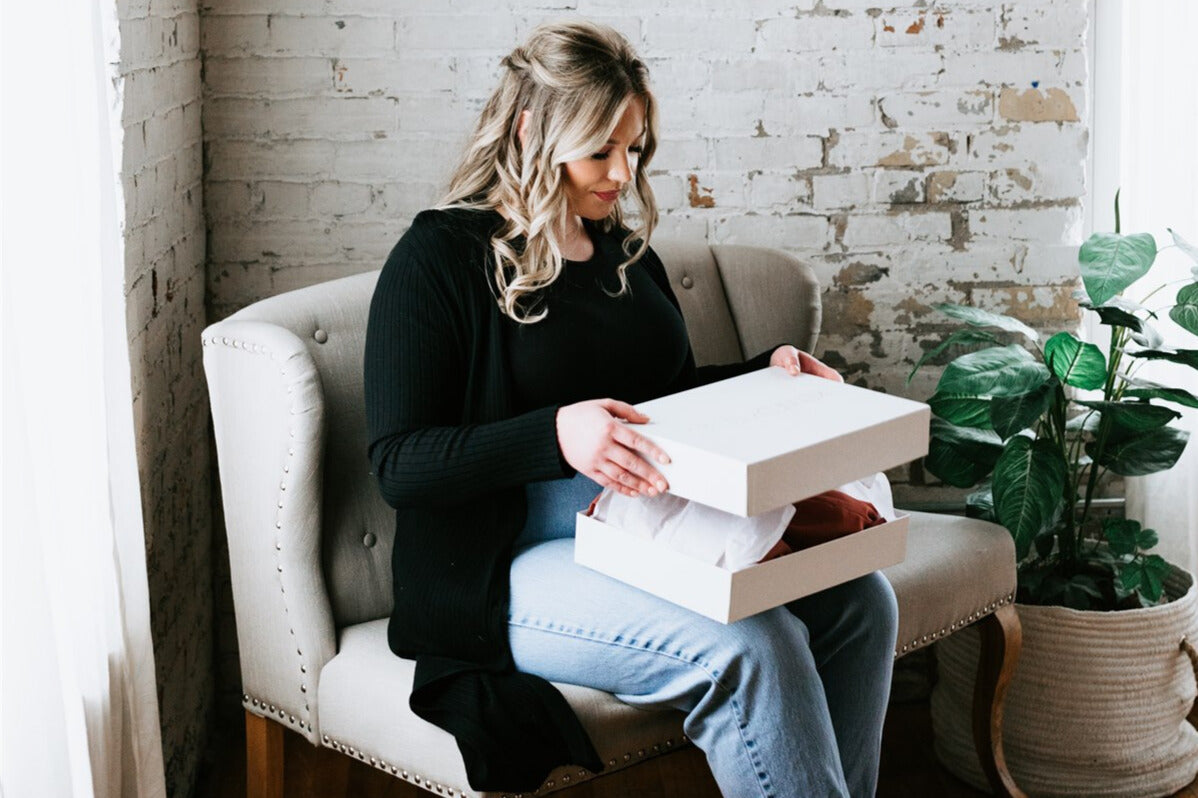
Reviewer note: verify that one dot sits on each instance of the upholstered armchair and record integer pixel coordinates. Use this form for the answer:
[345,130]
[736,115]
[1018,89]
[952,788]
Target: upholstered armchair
[310,539]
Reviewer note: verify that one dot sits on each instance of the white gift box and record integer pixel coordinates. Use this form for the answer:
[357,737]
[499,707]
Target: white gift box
[748,445]
[752,443]
[728,596]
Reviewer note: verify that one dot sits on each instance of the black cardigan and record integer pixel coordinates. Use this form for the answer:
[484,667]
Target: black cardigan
[452,457]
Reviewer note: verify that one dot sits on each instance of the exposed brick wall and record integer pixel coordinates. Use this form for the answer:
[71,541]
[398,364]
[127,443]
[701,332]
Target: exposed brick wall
[164,282]
[912,154]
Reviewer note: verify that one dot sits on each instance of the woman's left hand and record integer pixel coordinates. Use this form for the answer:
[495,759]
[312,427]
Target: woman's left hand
[796,362]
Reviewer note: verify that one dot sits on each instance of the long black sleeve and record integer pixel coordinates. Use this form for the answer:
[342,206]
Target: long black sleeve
[417,370]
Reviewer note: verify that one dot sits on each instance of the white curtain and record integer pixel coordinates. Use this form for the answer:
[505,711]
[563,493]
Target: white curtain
[1158,173]
[78,704]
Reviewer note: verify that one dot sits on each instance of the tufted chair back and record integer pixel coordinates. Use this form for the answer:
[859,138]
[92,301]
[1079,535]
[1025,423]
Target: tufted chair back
[309,537]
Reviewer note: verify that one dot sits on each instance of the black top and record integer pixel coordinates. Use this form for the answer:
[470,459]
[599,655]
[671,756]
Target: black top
[452,447]
[592,344]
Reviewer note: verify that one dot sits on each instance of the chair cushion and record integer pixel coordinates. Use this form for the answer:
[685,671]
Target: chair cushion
[957,571]
[364,712]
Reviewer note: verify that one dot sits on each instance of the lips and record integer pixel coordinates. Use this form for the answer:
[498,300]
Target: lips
[608,196]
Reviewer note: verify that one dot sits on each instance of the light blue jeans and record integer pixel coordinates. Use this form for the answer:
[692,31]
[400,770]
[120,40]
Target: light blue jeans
[788,703]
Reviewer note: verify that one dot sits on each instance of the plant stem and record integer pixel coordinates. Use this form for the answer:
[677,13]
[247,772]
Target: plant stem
[1118,341]
[1068,537]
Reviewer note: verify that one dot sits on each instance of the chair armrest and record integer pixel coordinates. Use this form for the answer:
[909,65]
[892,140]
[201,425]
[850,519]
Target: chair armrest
[268,418]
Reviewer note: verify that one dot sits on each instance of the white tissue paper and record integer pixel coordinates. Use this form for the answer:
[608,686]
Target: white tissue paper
[705,533]
[714,536]
[875,490]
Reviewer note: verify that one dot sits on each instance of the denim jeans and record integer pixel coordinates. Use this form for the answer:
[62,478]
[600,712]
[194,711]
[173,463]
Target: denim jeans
[788,703]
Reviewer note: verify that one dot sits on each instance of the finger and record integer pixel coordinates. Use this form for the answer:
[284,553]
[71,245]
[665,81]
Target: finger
[606,482]
[640,477]
[629,483]
[820,369]
[639,443]
[649,479]
[624,411]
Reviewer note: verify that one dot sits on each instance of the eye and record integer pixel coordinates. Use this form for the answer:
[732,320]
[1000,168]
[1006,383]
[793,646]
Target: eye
[599,156]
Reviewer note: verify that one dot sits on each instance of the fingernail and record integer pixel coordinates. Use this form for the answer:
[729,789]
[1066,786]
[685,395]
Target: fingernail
[661,485]
[661,458]
[652,491]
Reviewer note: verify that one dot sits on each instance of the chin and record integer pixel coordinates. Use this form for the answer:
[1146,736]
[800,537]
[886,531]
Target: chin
[597,211]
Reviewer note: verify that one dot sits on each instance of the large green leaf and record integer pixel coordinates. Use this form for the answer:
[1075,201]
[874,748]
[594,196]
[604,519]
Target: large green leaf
[1111,262]
[984,318]
[1075,363]
[1141,453]
[996,371]
[1121,535]
[1011,414]
[961,456]
[1146,574]
[1117,317]
[1029,481]
[969,382]
[966,411]
[1185,312]
[1168,394]
[1187,357]
[958,338]
[1132,417]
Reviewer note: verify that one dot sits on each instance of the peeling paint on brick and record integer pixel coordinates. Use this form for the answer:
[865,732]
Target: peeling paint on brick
[961,236]
[847,312]
[696,199]
[911,308]
[1034,105]
[858,273]
[910,193]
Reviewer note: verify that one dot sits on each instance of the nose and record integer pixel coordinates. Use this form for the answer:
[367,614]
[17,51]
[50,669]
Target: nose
[621,169]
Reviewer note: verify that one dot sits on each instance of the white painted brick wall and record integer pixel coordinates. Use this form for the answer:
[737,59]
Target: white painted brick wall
[158,80]
[940,145]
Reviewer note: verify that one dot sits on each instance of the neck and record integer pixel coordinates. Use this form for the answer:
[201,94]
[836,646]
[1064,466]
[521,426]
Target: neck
[575,243]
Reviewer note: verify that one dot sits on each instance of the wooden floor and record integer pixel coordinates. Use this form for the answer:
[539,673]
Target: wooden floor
[908,770]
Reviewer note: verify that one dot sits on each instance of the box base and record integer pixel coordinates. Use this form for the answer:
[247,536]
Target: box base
[728,596]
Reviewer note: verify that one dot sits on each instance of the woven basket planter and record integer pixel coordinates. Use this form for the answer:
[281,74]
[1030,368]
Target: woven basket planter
[1097,706]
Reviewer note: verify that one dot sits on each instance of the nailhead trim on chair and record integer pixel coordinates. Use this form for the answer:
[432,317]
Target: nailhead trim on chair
[454,792]
[924,640]
[305,723]
[265,709]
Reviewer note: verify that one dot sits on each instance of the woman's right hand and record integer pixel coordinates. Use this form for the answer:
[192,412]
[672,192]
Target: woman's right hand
[595,443]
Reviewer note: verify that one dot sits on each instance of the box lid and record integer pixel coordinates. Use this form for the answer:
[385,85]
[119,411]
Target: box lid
[755,442]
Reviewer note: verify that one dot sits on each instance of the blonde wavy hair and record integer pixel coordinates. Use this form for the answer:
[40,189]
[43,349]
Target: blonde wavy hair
[576,79]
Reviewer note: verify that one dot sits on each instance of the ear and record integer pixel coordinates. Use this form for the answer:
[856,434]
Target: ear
[522,125]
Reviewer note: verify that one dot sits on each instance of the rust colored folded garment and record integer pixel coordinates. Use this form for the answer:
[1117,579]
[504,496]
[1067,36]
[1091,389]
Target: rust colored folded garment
[828,516]
[780,549]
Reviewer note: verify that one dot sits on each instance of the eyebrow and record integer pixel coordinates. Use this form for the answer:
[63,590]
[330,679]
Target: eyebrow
[638,138]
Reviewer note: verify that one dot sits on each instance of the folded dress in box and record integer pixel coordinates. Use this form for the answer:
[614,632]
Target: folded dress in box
[733,542]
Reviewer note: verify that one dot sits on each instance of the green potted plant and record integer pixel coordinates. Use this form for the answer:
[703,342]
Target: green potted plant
[1107,673]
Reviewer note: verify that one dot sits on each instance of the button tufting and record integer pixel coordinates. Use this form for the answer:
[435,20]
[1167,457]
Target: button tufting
[687,281]
[321,336]
[368,540]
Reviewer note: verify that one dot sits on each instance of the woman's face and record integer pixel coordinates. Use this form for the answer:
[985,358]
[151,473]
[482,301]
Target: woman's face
[594,183]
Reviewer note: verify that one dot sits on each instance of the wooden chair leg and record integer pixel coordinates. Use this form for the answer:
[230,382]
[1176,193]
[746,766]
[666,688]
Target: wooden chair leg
[263,757]
[1002,637]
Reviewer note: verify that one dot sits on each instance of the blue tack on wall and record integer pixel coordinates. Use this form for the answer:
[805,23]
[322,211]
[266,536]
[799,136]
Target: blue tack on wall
[1035,84]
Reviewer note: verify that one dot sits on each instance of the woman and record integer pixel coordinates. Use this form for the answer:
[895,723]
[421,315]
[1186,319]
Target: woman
[497,323]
